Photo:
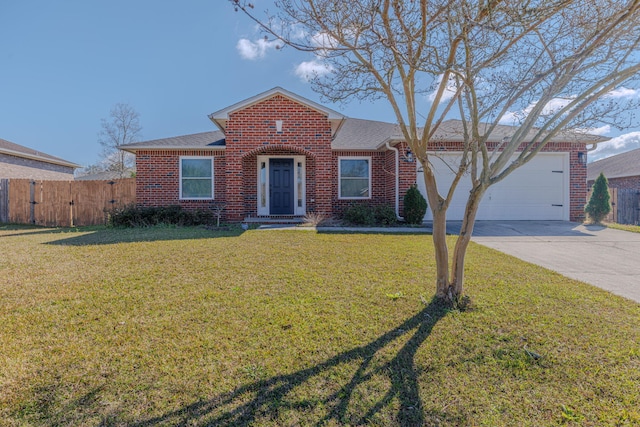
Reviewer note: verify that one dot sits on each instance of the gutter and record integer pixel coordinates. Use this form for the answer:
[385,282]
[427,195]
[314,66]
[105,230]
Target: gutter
[397,162]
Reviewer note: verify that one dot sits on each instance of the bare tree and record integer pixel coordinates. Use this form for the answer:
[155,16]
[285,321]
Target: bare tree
[122,127]
[549,66]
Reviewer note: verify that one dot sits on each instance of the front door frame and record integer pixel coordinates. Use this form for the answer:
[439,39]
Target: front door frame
[299,184]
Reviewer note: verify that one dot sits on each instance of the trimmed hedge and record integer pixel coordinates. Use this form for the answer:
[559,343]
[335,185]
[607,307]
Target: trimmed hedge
[133,216]
[365,214]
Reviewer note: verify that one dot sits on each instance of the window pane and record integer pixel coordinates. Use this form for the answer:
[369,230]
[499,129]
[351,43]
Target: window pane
[196,188]
[356,168]
[263,184]
[354,187]
[199,168]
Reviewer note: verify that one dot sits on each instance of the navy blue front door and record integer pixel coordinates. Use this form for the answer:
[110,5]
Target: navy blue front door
[281,186]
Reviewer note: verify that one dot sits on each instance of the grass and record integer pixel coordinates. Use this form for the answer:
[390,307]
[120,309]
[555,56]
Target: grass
[186,326]
[624,227]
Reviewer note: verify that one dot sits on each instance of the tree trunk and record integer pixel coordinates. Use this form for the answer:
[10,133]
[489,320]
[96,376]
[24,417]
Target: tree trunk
[456,286]
[439,231]
[441,252]
[450,289]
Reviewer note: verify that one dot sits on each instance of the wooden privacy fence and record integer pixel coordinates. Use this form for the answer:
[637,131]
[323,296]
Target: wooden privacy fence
[625,206]
[63,203]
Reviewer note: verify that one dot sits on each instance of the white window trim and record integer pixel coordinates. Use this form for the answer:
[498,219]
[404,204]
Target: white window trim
[340,158]
[213,175]
[297,210]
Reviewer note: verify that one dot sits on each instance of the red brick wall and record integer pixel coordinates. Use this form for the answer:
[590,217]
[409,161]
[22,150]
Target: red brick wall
[158,178]
[252,131]
[625,183]
[379,180]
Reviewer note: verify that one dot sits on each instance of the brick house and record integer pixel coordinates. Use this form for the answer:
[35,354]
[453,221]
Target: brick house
[17,161]
[280,155]
[622,170]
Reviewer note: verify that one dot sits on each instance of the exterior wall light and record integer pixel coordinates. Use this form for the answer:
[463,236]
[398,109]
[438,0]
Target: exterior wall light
[407,156]
[582,157]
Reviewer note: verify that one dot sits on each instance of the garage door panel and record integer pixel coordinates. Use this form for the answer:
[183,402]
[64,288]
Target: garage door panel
[535,191]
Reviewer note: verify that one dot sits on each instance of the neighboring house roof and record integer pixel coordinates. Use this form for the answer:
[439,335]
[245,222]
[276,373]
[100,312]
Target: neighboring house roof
[13,149]
[618,166]
[105,176]
[204,141]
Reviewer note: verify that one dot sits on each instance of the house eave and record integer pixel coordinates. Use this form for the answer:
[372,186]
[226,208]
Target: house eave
[39,158]
[134,150]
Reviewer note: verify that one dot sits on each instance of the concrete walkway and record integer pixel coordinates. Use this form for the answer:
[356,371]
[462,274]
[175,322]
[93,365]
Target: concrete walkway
[600,256]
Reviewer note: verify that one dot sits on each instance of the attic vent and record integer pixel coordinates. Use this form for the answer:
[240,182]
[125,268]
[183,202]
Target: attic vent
[279,125]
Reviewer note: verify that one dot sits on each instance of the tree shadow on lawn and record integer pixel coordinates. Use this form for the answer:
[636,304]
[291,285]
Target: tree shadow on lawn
[268,399]
[107,236]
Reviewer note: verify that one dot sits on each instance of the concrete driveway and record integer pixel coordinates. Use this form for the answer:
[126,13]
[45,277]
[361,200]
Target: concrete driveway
[609,259]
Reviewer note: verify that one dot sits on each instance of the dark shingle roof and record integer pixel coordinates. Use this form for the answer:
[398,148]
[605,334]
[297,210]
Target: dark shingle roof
[13,149]
[203,140]
[353,134]
[359,134]
[618,166]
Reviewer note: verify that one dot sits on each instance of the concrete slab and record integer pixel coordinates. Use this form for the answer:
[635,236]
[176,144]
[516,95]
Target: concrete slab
[600,256]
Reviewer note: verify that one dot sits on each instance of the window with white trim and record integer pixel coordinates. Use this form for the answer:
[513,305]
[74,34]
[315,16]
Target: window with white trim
[354,176]
[196,178]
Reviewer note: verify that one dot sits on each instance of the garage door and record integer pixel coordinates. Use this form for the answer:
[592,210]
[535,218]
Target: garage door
[538,190]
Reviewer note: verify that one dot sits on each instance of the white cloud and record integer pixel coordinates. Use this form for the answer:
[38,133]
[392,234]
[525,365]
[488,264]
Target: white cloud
[617,145]
[602,130]
[552,107]
[323,40]
[255,50]
[449,91]
[310,69]
[623,92]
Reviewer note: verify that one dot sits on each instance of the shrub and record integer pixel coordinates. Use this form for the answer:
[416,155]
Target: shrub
[359,214]
[133,216]
[364,214]
[385,215]
[415,206]
[599,204]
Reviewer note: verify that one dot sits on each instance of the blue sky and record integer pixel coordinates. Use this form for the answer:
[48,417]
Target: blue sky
[64,64]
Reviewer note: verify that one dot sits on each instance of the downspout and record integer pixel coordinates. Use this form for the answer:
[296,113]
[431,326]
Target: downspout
[397,155]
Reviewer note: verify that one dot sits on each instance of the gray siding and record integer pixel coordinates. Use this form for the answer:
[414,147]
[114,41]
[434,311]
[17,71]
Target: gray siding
[18,167]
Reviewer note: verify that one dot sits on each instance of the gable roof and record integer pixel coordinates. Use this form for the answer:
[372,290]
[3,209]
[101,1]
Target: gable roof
[220,117]
[618,166]
[204,141]
[16,150]
[348,133]
[353,134]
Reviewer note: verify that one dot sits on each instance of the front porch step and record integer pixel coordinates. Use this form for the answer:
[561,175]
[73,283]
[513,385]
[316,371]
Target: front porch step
[273,220]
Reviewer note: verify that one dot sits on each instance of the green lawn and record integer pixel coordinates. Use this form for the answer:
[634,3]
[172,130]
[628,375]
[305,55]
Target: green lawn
[624,227]
[171,326]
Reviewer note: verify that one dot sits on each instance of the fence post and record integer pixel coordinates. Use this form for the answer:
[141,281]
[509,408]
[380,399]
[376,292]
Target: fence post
[32,202]
[4,200]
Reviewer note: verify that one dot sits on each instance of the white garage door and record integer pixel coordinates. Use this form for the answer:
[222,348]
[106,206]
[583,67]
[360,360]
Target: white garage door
[539,190]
